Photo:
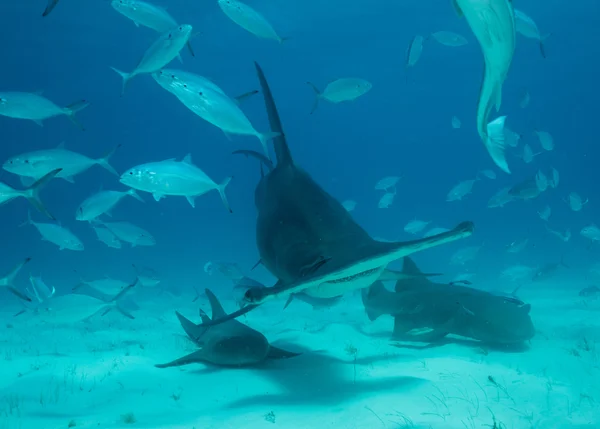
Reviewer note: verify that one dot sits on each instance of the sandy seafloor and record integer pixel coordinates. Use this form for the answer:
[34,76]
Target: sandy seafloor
[100,374]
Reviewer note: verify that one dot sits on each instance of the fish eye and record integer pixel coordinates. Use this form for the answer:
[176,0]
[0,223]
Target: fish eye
[200,94]
[180,28]
[26,161]
[2,100]
[131,173]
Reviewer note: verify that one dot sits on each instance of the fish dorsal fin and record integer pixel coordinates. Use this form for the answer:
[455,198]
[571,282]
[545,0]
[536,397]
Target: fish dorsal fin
[282,151]
[187,159]
[414,276]
[217,310]
[61,145]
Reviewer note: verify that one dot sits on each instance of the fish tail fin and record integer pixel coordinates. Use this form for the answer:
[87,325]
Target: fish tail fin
[542,46]
[289,301]
[495,143]
[318,95]
[133,193]
[32,193]
[264,140]
[8,280]
[28,221]
[126,78]
[72,109]
[242,97]
[49,7]
[103,162]
[221,189]
[124,291]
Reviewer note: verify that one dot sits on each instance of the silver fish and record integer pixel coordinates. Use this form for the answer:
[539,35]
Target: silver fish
[36,108]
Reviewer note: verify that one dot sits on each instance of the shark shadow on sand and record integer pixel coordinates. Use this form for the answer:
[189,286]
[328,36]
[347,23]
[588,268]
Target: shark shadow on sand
[308,240]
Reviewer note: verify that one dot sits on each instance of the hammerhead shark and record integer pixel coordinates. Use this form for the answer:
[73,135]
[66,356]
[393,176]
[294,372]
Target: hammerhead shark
[308,240]
[231,344]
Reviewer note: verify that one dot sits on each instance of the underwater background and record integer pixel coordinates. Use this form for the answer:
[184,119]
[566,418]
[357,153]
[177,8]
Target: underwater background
[401,127]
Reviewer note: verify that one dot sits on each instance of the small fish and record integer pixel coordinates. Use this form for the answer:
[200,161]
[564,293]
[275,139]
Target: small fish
[461,190]
[249,19]
[493,24]
[517,272]
[456,123]
[545,213]
[31,193]
[500,198]
[56,234]
[576,202]
[563,237]
[541,181]
[349,205]
[525,99]
[387,183]
[464,255]
[527,27]
[231,270]
[546,140]
[591,232]
[528,154]
[517,246]
[36,108]
[50,7]
[209,102]
[416,226]
[490,174]
[547,271]
[448,38]
[526,190]
[39,163]
[130,233]
[147,276]
[590,291]
[148,15]
[414,51]
[107,237]
[511,138]
[555,178]
[177,178]
[159,54]
[340,90]
[102,202]
[386,200]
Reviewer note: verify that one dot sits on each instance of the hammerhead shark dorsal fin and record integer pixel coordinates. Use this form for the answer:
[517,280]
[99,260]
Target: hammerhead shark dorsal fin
[215,306]
[282,151]
[414,276]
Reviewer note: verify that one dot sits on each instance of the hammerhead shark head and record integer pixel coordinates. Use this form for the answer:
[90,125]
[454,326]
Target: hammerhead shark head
[308,240]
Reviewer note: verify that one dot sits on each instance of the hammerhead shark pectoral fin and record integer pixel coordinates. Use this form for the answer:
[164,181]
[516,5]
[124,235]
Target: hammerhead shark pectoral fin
[196,357]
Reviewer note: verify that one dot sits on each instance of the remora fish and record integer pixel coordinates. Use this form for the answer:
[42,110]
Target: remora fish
[493,23]
[170,177]
[31,193]
[308,240]
[36,108]
[148,15]
[160,53]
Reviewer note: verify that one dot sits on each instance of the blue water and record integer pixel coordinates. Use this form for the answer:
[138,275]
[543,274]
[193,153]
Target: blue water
[401,127]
